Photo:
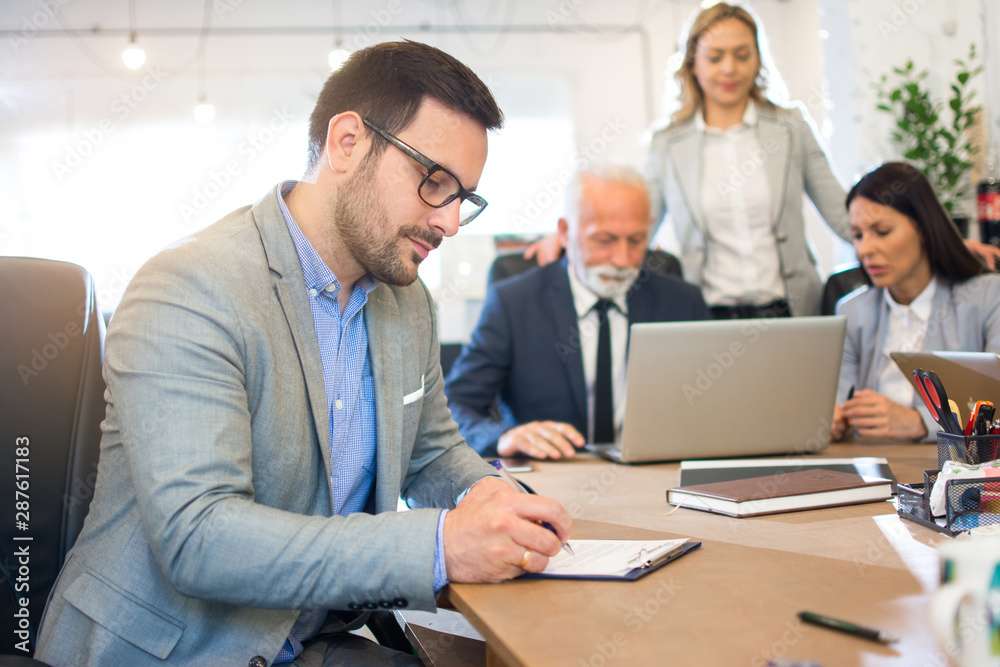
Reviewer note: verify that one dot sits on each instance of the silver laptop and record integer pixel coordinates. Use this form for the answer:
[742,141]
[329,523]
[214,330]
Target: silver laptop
[728,388]
[967,377]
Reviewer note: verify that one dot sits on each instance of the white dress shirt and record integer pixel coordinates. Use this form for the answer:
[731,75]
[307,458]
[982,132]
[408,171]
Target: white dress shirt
[741,255]
[589,325]
[907,330]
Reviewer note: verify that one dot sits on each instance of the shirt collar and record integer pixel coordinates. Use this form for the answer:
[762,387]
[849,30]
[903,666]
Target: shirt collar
[584,299]
[919,308]
[316,274]
[749,118]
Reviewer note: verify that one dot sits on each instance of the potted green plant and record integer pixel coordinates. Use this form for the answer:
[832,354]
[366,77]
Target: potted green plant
[939,146]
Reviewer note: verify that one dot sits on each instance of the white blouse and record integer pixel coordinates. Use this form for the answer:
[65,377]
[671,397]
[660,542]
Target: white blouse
[741,256]
[907,330]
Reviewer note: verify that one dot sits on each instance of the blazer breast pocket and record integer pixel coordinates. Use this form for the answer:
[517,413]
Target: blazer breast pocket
[413,403]
[415,396]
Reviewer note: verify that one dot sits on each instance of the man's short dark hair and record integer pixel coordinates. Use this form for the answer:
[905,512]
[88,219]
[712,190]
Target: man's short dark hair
[386,84]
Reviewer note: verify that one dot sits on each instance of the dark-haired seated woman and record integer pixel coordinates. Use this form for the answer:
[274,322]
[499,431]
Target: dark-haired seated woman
[928,293]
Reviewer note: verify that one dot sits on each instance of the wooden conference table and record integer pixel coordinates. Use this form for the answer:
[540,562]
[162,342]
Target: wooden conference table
[735,600]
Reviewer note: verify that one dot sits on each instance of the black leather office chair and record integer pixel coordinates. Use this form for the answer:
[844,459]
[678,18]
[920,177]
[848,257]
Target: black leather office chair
[504,266]
[51,407]
[449,353]
[52,394]
[839,285]
[19,661]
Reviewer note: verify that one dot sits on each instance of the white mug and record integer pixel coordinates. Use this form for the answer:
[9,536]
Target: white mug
[966,608]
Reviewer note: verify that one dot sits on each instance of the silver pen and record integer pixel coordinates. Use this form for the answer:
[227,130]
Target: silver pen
[506,476]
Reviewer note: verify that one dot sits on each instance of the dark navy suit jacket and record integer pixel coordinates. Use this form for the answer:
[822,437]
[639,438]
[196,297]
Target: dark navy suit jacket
[524,355]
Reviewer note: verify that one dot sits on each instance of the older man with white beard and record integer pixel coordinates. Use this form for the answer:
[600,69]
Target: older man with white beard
[550,347]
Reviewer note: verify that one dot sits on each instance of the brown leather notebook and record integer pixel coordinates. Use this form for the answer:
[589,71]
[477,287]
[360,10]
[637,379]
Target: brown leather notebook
[806,489]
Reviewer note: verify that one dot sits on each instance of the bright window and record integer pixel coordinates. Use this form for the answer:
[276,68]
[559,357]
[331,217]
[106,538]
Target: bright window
[110,197]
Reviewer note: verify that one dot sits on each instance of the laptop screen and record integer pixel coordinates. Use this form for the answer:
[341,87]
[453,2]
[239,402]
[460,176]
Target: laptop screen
[731,387]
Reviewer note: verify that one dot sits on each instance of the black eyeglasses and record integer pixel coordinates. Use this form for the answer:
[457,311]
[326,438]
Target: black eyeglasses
[439,186]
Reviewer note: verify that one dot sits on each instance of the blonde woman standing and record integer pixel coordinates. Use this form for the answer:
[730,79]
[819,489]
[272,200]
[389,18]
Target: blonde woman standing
[728,174]
[731,169]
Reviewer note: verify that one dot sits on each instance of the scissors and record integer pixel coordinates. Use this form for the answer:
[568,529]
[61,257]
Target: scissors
[936,399]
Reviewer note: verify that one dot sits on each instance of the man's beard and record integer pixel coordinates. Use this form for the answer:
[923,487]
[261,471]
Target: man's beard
[368,235]
[619,283]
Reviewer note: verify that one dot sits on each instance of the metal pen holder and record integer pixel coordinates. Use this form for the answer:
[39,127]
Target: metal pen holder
[972,449]
[969,503]
[913,502]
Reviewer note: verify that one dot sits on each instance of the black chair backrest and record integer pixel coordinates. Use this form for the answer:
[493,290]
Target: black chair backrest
[504,266]
[449,353]
[841,284]
[51,407]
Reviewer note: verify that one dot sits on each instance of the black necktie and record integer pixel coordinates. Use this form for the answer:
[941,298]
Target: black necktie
[604,412]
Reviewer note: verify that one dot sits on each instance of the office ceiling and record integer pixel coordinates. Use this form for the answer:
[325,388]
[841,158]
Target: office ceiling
[73,38]
[61,64]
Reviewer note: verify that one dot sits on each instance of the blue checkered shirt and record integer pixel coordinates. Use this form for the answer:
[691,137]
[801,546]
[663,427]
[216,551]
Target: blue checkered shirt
[350,397]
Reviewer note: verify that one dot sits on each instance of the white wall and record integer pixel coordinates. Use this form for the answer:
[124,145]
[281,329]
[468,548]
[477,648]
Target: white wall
[103,166]
[582,79]
[870,37]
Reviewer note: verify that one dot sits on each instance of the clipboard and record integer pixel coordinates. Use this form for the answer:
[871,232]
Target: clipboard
[637,572]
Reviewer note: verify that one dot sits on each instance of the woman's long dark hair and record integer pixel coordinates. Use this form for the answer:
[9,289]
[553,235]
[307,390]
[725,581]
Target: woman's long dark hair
[904,188]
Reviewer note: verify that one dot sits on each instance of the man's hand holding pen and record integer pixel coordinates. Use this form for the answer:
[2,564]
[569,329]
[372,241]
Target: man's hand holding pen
[495,533]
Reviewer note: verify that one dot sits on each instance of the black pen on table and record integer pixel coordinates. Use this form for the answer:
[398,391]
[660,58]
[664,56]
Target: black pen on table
[850,628]
[507,477]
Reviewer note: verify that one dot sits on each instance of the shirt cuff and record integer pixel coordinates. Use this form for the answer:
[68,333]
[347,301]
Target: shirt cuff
[440,571]
[466,492]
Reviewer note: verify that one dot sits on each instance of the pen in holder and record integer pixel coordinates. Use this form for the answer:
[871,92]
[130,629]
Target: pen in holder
[972,449]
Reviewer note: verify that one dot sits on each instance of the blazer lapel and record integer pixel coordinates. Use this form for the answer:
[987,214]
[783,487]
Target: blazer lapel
[290,290]
[382,321]
[686,154]
[293,301]
[772,133]
[567,331]
[875,340]
[639,306]
[934,340]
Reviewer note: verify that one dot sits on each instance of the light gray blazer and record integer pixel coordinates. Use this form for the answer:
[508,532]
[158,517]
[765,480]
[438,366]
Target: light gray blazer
[795,165]
[964,316]
[211,523]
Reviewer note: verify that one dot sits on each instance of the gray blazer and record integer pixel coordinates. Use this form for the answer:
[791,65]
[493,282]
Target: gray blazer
[964,316]
[795,165]
[211,522]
